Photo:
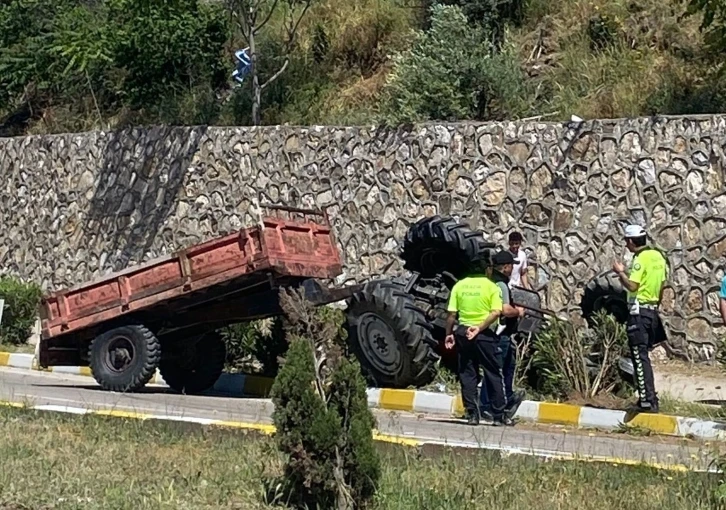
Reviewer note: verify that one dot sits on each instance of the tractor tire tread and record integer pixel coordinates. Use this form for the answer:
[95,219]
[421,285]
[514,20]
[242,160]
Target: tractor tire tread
[144,373]
[387,299]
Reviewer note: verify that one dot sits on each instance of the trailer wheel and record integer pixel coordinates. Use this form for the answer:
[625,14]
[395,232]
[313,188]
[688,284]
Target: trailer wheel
[124,358]
[605,292]
[197,366]
[390,336]
[439,243]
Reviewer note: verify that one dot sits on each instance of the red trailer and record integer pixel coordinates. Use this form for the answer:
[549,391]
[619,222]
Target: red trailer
[164,314]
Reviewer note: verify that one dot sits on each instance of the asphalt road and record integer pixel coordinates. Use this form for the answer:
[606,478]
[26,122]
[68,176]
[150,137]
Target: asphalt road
[61,390]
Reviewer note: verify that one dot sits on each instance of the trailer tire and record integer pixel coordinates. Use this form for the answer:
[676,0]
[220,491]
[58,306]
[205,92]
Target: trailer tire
[390,336]
[605,292]
[124,358]
[439,243]
[201,367]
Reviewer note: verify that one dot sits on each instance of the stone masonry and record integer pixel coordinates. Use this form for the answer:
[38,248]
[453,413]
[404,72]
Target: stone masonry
[79,205]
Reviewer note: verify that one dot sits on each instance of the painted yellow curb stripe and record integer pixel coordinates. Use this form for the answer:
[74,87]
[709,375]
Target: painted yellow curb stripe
[260,427]
[4,359]
[396,400]
[12,404]
[559,413]
[660,423]
[122,414]
[404,441]
[458,406]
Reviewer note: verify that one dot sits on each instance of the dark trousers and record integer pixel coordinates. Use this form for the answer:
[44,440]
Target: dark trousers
[644,332]
[484,351]
[508,356]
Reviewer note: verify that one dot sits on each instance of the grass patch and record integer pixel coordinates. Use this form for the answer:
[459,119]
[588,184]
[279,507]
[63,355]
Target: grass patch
[669,405]
[615,58]
[23,348]
[64,461]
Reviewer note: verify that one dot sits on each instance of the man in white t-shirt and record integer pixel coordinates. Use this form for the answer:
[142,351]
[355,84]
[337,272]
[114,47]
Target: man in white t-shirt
[519,272]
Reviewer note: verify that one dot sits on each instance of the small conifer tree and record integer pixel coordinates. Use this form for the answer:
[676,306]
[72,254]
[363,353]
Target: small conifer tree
[324,426]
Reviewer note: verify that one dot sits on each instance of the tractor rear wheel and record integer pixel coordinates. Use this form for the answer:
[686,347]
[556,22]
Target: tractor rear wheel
[390,336]
[439,243]
[605,292]
[196,365]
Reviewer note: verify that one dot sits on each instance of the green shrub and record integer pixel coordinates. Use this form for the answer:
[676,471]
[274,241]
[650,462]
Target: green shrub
[324,426]
[569,360]
[601,31]
[713,22]
[164,59]
[22,301]
[255,347]
[452,72]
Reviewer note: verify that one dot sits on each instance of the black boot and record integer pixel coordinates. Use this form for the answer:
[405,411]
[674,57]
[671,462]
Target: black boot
[513,404]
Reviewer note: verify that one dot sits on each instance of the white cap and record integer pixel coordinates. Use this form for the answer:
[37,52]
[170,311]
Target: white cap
[634,231]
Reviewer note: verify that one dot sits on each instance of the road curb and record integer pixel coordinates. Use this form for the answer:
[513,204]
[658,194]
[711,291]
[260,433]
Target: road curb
[427,402]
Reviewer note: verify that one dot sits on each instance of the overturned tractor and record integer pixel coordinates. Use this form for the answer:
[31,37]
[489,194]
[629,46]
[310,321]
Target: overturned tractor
[396,327]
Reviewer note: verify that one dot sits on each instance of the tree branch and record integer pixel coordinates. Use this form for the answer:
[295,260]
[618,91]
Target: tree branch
[293,30]
[276,75]
[269,15]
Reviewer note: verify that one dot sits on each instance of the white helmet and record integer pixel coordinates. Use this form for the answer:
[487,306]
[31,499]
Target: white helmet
[634,231]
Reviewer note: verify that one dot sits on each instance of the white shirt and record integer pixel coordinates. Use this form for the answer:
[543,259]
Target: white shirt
[520,265]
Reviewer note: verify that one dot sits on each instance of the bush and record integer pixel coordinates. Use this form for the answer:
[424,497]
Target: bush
[255,347]
[324,426]
[568,360]
[22,301]
[452,72]
[601,31]
[99,58]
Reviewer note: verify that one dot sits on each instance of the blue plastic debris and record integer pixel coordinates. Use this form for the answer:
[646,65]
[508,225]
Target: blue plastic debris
[244,65]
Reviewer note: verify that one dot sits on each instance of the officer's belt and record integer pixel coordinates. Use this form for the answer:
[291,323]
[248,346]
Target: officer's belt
[461,330]
[649,306]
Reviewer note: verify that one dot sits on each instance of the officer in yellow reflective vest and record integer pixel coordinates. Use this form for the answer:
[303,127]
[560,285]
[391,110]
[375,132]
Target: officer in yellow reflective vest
[644,283]
[477,303]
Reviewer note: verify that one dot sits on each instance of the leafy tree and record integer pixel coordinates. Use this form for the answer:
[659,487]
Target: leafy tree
[713,22]
[324,426]
[28,70]
[452,72]
[252,16]
[121,53]
[491,14]
[166,46]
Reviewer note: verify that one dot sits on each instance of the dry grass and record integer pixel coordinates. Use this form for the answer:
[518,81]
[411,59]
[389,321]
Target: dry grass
[652,48]
[22,348]
[55,461]
[669,405]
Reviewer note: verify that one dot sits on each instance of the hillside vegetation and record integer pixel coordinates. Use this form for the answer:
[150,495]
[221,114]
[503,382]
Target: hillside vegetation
[70,66]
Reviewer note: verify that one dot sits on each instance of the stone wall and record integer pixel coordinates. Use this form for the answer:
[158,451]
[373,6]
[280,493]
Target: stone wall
[74,206]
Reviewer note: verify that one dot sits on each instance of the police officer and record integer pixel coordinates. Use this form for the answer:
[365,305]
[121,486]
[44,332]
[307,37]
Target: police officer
[503,264]
[644,283]
[477,302]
